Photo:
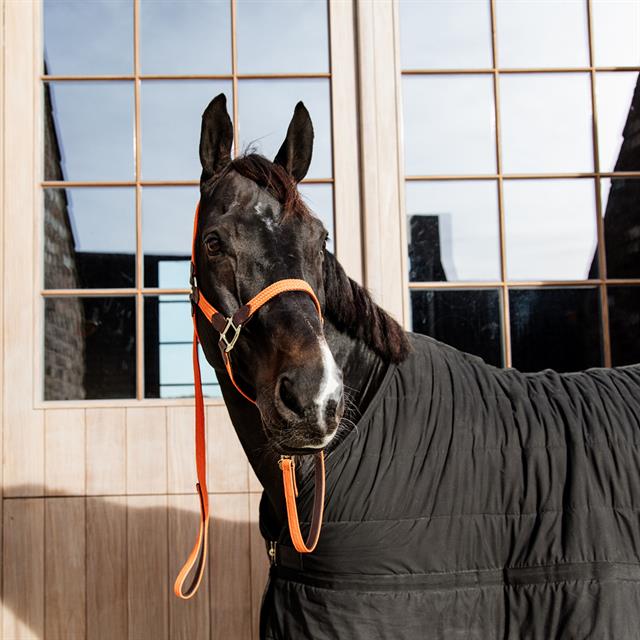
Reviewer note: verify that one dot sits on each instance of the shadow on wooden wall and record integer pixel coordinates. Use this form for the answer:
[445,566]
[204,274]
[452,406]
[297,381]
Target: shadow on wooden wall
[103,567]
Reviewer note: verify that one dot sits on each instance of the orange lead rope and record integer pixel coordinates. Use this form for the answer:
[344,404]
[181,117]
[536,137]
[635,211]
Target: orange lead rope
[229,329]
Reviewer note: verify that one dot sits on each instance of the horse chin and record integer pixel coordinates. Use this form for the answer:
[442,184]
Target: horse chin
[289,440]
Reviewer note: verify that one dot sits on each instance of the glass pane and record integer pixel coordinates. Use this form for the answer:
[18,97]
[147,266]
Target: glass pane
[167,229]
[546,123]
[282,36]
[266,108]
[443,133]
[440,34]
[453,230]
[171,115]
[624,324]
[553,33]
[555,328]
[618,120]
[550,229]
[185,36]
[88,131]
[90,238]
[616,32]
[88,38]
[168,335]
[620,204]
[468,320]
[319,198]
[89,348]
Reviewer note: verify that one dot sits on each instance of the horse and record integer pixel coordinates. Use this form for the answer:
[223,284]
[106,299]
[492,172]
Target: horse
[462,500]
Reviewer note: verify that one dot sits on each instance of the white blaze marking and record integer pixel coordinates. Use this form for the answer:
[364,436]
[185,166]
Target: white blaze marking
[330,383]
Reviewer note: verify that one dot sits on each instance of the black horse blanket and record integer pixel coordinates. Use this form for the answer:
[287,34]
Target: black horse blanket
[473,502]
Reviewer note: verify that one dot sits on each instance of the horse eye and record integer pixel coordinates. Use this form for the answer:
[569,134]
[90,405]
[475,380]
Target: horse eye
[213,245]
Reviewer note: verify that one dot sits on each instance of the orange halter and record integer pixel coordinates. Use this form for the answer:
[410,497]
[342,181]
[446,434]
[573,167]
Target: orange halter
[229,329]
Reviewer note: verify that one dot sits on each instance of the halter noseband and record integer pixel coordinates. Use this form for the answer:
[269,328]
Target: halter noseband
[229,329]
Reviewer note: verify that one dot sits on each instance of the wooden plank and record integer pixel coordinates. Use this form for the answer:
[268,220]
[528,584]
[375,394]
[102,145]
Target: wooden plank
[146,451]
[181,450]
[230,567]
[65,569]
[187,618]
[64,452]
[228,468]
[259,563]
[23,569]
[106,451]
[106,568]
[148,585]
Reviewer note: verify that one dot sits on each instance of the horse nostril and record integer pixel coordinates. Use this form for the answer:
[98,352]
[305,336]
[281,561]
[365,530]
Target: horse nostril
[288,397]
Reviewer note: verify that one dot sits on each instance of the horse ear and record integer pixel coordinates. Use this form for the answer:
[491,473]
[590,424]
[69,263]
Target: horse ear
[216,137]
[295,152]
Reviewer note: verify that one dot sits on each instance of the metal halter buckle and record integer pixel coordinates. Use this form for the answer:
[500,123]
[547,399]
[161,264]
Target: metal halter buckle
[223,334]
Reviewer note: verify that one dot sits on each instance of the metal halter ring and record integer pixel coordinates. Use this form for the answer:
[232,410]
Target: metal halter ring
[223,335]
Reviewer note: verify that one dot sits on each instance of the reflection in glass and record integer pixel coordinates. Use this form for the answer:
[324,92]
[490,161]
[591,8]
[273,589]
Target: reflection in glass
[546,123]
[441,34]
[185,37]
[168,335]
[167,228]
[550,229]
[555,328]
[89,238]
[453,230]
[88,130]
[319,198]
[618,100]
[88,38]
[278,36]
[266,108]
[89,348]
[449,125]
[553,33]
[616,33]
[468,320]
[624,324]
[621,207]
[171,115]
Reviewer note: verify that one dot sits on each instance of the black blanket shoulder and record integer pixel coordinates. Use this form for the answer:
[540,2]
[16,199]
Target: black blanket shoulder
[474,502]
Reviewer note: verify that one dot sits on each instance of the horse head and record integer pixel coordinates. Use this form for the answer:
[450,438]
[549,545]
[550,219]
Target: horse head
[253,230]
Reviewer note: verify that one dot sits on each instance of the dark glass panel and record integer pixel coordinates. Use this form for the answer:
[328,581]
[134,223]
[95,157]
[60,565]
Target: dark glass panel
[553,33]
[555,328]
[468,320]
[89,238]
[319,198]
[171,116]
[167,229]
[168,335]
[616,37]
[618,100]
[546,123]
[453,230]
[550,228]
[88,131]
[441,34]
[276,36]
[185,37]
[621,210]
[624,324]
[449,125]
[88,38]
[89,348]
[266,108]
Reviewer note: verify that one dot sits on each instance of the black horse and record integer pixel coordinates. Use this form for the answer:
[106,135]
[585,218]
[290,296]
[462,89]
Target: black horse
[463,501]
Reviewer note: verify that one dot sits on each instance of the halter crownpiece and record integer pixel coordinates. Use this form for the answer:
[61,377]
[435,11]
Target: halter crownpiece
[229,329]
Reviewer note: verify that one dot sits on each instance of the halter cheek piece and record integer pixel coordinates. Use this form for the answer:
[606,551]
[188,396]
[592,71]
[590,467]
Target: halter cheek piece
[229,329]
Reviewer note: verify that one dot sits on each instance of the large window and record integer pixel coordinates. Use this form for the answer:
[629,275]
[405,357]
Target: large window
[124,85]
[522,162]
